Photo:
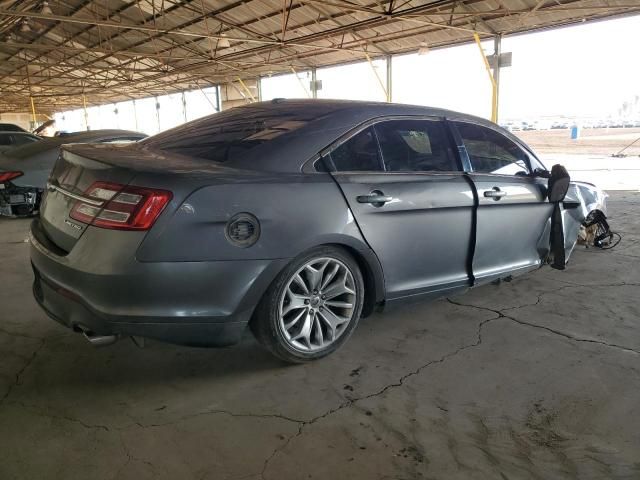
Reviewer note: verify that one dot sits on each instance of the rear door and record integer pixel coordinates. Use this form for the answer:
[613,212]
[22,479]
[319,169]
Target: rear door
[411,201]
[513,214]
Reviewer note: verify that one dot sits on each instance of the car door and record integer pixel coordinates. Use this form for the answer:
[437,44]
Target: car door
[513,215]
[411,201]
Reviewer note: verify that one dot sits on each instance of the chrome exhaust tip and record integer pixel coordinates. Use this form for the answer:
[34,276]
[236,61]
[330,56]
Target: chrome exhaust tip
[100,340]
[94,339]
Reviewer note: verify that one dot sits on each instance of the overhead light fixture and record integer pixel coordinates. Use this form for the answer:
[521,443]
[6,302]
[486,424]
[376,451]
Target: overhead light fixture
[46,9]
[223,42]
[25,28]
[424,48]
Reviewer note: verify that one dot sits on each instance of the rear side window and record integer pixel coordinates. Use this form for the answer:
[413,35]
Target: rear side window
[226,136]
[492,152]
[358,154]
[415,146]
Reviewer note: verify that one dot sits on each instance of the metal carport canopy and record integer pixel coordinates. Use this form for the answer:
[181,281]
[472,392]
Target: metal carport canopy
[61,51]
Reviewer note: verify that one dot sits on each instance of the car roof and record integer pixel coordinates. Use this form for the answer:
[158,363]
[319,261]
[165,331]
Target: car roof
[49,143]
[332,120]
[11,127]
[11,132]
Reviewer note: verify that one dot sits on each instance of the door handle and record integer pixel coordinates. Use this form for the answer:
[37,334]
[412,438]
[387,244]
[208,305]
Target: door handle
[375,198]
[496,193]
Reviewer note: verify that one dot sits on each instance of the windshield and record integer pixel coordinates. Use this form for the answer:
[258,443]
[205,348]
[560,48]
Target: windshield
[222,137]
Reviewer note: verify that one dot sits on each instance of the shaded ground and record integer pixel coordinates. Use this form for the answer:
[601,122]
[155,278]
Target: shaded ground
[535,378]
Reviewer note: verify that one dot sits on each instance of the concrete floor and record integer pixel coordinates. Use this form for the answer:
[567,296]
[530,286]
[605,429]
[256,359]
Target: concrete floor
[535,378]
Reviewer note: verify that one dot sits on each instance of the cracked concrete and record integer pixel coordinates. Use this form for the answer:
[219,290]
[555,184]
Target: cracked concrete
[533,378]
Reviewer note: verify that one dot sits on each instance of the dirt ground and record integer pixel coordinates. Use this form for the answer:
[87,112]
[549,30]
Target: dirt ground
[599,141]
[536,378]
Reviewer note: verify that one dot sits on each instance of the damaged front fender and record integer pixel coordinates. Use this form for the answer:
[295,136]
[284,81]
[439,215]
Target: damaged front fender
[581,199]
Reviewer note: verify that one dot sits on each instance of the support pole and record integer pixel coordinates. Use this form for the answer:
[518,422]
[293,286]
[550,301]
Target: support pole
[304,87]
[246,89]
[135,115]
[86,115]
[33,111]
[184,107]
[314,85]
[158,113]
[497,52]
[389,78]
[494,86]
[216,107]
[375,72]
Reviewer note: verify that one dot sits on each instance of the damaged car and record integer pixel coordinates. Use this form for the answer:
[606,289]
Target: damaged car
[24,169]
[293,218]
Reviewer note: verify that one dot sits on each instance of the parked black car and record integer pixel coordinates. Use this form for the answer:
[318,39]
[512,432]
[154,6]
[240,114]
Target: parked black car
[293,217]
[24,170]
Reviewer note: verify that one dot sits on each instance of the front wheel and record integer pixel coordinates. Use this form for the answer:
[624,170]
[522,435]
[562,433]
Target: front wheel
[312,307]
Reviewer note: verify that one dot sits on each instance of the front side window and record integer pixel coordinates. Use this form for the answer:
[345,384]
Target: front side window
[491,152]
[358,154]
[415,146]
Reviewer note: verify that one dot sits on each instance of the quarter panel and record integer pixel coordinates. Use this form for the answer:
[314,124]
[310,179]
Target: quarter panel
[296,212]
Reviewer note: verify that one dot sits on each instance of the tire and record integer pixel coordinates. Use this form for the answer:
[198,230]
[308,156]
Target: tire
[297,325]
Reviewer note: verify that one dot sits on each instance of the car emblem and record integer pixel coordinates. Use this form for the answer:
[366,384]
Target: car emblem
[73,225]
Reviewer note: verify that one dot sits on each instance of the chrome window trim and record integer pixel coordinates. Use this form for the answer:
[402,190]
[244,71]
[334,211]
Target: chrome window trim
[373,121]
[497,129]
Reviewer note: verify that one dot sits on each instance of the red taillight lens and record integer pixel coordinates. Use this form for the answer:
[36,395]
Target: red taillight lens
[125,207]
[8,176]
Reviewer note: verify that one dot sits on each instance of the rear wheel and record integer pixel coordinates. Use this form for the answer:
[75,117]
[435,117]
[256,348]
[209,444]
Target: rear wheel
[312,307]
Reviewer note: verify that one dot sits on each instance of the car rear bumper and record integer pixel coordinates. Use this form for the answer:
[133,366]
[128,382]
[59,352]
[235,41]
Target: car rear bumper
[188,303]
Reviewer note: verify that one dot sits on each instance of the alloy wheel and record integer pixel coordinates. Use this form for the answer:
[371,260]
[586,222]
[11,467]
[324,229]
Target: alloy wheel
[317,304]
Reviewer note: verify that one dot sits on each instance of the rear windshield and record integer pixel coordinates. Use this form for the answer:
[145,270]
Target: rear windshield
[222,137]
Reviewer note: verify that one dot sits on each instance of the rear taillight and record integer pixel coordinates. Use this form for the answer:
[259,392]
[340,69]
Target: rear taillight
[124,207]
[8,176]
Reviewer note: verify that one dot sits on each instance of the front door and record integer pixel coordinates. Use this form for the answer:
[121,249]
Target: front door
[513,214]
[411,201]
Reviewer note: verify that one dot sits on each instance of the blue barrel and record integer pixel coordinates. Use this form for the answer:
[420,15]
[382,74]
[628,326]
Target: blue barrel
[575,132]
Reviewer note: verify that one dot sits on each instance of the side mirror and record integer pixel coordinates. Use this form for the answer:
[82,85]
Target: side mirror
[542,173]
[558,184]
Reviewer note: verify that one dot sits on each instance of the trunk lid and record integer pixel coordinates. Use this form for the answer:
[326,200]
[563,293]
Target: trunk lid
[79,166]
[71,177]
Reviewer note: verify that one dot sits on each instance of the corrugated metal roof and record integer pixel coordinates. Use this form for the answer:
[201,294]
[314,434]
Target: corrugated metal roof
[118,50]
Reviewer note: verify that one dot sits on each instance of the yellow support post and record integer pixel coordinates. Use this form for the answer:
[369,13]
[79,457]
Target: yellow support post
[494,85]
[246,89]
[33,111]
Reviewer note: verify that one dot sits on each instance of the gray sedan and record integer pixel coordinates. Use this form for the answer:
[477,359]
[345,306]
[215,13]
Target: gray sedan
[294,218]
